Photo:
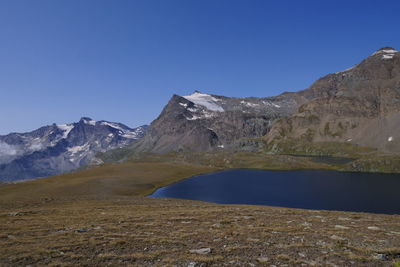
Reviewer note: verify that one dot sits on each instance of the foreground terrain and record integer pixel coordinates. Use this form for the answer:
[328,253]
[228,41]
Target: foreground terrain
[101,217]
[142,231]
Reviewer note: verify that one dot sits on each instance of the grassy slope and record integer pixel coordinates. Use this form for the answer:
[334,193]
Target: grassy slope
[120,179]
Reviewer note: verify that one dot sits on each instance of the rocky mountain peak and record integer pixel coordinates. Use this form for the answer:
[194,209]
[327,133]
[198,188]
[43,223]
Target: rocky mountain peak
[87,120]
[386,52]
[386,48]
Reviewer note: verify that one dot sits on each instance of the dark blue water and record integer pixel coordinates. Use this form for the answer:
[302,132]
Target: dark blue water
[308,189]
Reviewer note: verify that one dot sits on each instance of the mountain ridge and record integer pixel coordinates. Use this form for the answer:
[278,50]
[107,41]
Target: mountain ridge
[203,122]
[360,105]
[55,149]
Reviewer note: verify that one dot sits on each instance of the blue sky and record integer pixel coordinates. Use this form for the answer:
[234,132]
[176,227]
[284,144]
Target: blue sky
[122,60]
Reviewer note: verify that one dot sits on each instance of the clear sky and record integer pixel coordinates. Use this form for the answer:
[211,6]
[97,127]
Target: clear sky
[122,60]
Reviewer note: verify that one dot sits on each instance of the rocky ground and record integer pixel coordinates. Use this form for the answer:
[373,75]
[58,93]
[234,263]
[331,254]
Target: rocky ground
[139,231]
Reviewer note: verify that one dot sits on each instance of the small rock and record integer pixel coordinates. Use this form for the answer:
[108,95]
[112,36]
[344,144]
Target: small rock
[343,219]
[82,230]
[262,259]
[62,230]
[302,255]
[341,227]
[97,228]
[201,251]
[335,237]
[16,213]
[381,257]
[191,264]
[373,228]
[186,222]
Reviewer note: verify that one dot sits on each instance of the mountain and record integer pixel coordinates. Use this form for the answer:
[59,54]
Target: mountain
[202,122]
[359,105]
[56,149]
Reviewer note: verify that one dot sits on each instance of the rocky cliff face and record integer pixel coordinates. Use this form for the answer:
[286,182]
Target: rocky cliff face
[55,149]
[201,122]
[359,105]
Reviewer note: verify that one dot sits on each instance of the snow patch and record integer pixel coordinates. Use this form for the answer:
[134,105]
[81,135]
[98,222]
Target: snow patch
[207,101]
[221,146]
[388,56]
[203,115]
[130,135]
[183,105]
[390,139]
[90,122]
[66,128]
[123,132]
[112,125]
[194,117]
[249,104]
[78,149]
[271,104]
[387,53]
[192,109]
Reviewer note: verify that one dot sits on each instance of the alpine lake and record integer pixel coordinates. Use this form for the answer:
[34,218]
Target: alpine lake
[306,189]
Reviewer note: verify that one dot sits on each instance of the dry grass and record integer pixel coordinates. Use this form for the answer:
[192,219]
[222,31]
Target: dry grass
[142,231]
[120,179]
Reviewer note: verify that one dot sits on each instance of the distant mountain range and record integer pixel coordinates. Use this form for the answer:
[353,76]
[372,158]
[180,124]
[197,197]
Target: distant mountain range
[55,149]
[359,106]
